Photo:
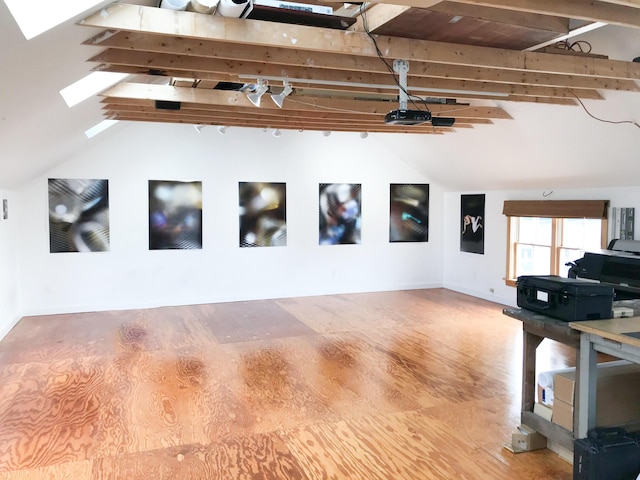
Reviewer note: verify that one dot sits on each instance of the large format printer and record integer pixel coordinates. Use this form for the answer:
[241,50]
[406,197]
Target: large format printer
[617,266]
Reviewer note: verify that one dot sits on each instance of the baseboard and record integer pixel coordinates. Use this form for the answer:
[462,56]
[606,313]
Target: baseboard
[509,302]
[236,297]
[5,329]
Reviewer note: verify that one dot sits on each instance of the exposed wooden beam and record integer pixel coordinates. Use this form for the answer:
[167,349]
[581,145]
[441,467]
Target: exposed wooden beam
[622,13]
[224,118]
[209,27]
[222,97]
[416,129]
[251,71]
[122,104]
[182,46]
[288,57]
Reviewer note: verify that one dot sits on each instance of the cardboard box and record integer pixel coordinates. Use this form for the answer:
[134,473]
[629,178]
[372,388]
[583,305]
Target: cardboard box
[564,387]
[617,395]
[525,439]
[563,414]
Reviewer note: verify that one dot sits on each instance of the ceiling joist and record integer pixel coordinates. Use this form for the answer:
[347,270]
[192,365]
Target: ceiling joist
[284,58]
[223,97]
[337,78]
[208,27]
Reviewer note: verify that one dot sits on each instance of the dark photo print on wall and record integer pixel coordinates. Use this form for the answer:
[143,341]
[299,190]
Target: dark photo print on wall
[409,213]
[78,215]
[5,209]
[175,215]
[340,209]
[472,223]
[263,214]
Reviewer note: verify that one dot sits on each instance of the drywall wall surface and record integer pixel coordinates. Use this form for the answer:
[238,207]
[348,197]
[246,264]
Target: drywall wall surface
[129,275]
[483,275]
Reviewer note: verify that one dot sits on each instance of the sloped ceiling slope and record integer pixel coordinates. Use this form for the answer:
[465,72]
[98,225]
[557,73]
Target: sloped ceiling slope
[533,136]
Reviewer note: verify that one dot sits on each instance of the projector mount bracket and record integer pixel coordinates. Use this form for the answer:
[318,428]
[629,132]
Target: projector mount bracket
[401,67]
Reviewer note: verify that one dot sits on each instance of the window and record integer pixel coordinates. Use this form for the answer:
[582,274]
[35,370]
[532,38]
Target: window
[37,16]
[544,236]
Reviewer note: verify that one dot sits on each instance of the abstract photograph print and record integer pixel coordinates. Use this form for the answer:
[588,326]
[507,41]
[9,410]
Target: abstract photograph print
[409,213]
[78,215]
[263,214]
[340,209]
[472,223]
[175,215]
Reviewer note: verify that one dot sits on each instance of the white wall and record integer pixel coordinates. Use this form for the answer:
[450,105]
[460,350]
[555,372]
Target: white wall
[477,274]
[9,266]
[131,276]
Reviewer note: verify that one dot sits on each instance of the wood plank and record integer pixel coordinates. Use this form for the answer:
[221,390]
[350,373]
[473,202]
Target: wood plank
[271,125]
[221,97]
[529,20]
[595,11]
[288,57]
[376,16]
[627,3]
[250,72]
[342,402]
[208,27]
[457,28]
[114,104]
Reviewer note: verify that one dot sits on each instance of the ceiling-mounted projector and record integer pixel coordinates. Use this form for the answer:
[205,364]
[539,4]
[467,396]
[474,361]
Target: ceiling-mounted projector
[407,117]
[404,116]
[416,117]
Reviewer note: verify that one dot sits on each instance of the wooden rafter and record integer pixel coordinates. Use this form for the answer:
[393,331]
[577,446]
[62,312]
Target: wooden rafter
[222,97]
[208,27]
[339,83]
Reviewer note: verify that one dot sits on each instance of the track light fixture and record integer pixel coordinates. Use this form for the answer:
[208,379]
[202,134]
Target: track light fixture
[364,135]
[198,128]
[260,90]
[279,98]
[277,132]
[326,133]
[222,129]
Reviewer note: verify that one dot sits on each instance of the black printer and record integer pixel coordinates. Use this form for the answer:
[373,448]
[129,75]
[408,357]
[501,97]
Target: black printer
[617,266]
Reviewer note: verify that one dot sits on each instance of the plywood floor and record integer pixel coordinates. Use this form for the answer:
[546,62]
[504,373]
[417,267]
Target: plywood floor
[420,384]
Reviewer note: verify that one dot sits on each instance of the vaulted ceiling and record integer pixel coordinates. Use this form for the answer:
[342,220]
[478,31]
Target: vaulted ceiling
[518,120]
[461,56]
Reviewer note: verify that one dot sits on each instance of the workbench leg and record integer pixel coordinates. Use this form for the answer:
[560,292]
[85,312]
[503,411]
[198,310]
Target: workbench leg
[586,376]
[530,344]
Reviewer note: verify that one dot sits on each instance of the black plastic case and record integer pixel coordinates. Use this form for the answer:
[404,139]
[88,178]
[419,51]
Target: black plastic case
[568,299]
[607,454]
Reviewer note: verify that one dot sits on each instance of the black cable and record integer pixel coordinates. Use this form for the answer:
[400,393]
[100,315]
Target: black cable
[601,119]
[363,14]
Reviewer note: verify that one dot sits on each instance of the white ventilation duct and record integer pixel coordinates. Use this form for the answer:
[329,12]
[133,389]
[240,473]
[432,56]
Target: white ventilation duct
[234,8]
[174,4]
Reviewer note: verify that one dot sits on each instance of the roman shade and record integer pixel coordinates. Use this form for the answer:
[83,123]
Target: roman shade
[556,208]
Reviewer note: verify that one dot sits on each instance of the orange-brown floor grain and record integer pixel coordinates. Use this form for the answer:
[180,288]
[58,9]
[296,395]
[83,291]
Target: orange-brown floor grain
[421,384]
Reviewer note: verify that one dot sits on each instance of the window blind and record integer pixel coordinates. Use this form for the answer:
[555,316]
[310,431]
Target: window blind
[556,208]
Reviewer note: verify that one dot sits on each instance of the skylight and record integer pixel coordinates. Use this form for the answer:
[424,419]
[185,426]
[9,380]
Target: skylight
[90,85]
[99,128]
[37,16]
